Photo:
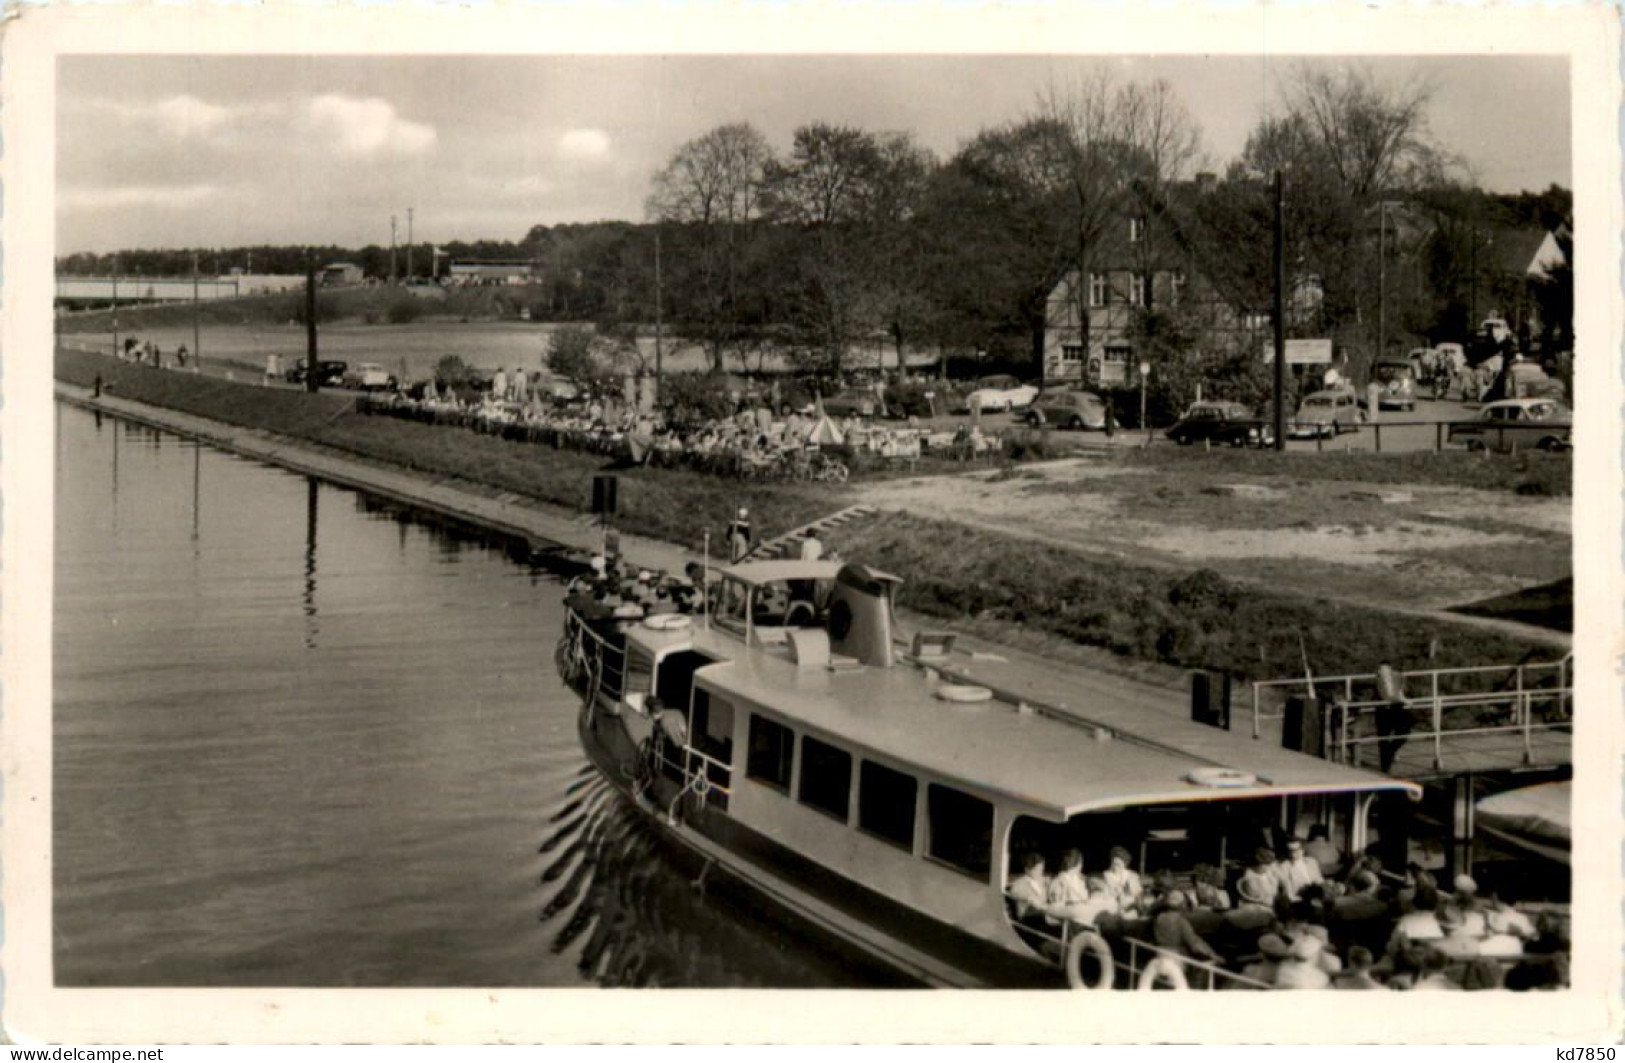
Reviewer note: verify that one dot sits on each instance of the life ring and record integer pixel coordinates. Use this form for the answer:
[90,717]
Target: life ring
[666,622]
[1223,778]
[1165,969]
[1095,945]
[963,692]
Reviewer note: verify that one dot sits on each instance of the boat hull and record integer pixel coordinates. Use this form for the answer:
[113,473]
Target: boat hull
[798,892]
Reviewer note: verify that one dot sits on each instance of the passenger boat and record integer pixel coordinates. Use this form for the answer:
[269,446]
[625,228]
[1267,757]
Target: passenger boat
[885,792]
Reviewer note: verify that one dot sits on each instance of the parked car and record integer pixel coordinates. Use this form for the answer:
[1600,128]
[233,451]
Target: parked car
[1325,414]
[329,374]
[369,376]
[1517,424]
[1067,409]
[1396,379]
[853,402]
[998,393]
[1221,422]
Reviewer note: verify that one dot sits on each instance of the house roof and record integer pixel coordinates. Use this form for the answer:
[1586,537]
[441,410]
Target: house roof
[1523,251]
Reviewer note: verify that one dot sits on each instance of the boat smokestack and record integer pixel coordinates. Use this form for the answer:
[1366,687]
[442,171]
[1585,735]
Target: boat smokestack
[860,615]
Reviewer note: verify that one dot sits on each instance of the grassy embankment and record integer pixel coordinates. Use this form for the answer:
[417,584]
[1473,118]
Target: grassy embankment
[996,585]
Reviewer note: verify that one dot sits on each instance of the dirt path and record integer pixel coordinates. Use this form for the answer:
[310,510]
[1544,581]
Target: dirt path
[1416,549]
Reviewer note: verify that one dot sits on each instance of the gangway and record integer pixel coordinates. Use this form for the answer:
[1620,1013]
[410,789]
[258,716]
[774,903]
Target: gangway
[1486,718]
[784,544]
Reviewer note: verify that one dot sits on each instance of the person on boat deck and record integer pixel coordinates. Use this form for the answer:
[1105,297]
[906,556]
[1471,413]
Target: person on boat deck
[1208,887]
[1358,975]
[739,535]
[1171,930]
[1122,882]
[1421,923]
[1298,872]
[1320,849]
[1260,883]
[1434,964]
[1031,890]
[1069,892]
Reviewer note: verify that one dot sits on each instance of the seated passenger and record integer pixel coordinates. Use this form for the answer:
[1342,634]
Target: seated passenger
[1358,975]
[1030,892]
[1171,930]
[1259,884]
[1209,888]
[1421,923]
[1302,968]
[1070,896]
[1298,872]
[1434,972]
[1321,850]
[1122,882]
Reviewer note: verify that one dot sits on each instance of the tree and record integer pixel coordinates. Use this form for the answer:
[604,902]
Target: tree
[706,201]
[571,355]
[1349,146]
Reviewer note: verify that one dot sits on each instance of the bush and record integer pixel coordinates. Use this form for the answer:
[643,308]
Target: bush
[404,310]
[694,398]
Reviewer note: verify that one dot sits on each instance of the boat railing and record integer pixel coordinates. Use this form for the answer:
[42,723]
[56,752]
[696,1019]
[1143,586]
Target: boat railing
[1356,726]
[1147,964]
[604,662]
[1144,964]
[699,770]
[1445,687]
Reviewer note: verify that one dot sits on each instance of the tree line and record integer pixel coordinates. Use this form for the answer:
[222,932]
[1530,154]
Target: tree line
[853,239]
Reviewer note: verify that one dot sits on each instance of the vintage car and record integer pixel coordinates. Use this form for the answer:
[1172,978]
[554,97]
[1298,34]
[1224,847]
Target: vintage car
[1221,422]
[1517,424]
[369,376]
[1325,414]
[998,393]
[1067,409]
[329,374]
[1396,382]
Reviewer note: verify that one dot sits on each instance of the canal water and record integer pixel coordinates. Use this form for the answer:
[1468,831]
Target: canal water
[303,738]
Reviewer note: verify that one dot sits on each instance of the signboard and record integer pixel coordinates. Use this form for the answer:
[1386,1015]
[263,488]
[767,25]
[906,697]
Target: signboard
[1302,352]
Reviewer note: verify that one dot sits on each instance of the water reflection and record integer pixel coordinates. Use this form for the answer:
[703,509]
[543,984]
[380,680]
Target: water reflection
[312,493]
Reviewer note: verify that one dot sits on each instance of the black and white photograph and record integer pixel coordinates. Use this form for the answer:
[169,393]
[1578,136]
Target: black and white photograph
[1035,511]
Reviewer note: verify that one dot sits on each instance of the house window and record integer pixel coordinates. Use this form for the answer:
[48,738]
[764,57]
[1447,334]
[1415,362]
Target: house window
[1136,230]
[961,830]
[1071,354]
[826,778]
[1097,289]
[1136,289]
[711,723]
[886,804]
[772,750]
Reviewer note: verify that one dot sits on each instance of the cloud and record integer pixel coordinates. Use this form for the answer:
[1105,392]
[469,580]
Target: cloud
[369,126]
[124,196]
[187,116]
[584,145]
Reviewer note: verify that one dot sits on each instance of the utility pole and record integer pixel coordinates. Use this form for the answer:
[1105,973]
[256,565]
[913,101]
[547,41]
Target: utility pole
[1382,279]
[392,249]
[659,348]
[1280,311]
[409,274]
[197,343]
[311,374]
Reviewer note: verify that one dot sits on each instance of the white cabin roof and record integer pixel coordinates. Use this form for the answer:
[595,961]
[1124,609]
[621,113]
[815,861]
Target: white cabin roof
[757,573]
[1057,767]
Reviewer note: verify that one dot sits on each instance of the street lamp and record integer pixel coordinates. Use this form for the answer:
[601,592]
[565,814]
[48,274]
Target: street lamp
[1145,372]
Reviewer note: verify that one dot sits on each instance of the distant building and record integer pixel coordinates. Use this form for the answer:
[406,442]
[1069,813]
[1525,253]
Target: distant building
[341,273]
[490,273]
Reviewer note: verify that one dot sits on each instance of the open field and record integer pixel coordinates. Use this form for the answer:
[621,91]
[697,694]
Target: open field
[1191,559]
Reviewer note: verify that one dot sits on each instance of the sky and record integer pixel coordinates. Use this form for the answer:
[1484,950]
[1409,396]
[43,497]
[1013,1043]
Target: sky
[230,150]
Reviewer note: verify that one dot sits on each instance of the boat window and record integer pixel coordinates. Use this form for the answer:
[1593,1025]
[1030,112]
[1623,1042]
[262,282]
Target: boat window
[886,804]
[711,726]
[772,749]
[826,778]
[961,829]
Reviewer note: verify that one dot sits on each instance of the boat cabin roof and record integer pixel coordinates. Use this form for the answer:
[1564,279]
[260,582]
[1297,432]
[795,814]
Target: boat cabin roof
[757,573]
[1056,767]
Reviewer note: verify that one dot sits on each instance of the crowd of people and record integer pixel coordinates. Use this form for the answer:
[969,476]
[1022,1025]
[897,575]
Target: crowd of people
[149,353]
[1304,919]
[754,442]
